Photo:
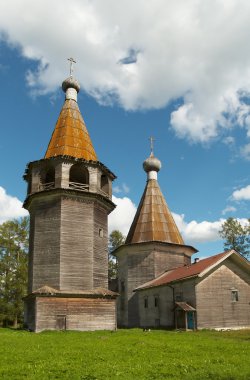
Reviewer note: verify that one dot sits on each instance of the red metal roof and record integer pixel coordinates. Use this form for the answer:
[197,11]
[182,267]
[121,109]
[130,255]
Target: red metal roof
[184,272]
[184,306]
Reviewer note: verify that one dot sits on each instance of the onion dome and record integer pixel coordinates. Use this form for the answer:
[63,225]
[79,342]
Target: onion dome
[152,164]
[70,83]
[71,87]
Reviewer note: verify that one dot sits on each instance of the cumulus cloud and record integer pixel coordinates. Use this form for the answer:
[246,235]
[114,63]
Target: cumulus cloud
[242,194]
[121,189]
[123,215]
[198,232]
[229,140]
[201,232]
[10,207]
[245,151]
[143,55]
[228,209]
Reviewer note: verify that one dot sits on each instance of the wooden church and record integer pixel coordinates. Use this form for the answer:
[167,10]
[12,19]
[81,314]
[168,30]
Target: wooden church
[69,198]
[158,284]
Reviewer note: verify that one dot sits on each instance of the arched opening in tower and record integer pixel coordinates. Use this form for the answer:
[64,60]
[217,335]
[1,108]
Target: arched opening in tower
[79,177]
[47,180]
[104,184]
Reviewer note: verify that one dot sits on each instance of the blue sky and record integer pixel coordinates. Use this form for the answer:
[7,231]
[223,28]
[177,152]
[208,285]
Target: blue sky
[188,88]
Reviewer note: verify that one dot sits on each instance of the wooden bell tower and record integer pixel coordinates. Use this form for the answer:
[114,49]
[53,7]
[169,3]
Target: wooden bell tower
[69,199]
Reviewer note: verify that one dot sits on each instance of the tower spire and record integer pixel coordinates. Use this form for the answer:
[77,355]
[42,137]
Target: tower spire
[70,136]
[153,220]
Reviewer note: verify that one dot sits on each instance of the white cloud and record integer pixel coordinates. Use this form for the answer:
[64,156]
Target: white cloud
[245,151]
[201,232]
[143,56]
[229,140]
[121,189]
[242,194]
[228,209]
[198,232]
[121,218]
[10,207]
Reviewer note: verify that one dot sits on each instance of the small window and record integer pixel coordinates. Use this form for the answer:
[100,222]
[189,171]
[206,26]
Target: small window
[146,302]
[156,301]
[234,295]
[101,232]
[179,297]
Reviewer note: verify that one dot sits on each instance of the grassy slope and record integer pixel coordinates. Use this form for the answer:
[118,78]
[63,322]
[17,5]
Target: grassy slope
[126,354]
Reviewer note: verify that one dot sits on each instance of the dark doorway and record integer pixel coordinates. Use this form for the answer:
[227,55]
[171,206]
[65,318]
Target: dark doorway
[61,322]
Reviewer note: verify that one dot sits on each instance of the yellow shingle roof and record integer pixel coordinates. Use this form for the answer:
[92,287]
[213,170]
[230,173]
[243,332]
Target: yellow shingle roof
[70,136]
[153,220]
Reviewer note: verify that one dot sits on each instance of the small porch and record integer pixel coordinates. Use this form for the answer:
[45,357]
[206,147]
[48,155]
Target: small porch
[184,315]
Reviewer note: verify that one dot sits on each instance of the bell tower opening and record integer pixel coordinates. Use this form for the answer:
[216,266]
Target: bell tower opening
[78,177]
[48,179]
[104,184]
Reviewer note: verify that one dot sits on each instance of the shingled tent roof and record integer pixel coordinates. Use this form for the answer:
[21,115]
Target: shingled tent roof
[153,220]
[70,136]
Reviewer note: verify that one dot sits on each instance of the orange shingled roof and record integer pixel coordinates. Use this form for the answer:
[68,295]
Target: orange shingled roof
[153,220]
[70,136]
[184,272]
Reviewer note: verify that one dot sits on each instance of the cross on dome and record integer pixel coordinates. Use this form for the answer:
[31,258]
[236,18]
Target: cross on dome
[71,62]
[151,145]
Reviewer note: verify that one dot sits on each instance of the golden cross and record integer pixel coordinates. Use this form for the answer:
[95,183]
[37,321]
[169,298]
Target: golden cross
[152,144]
[71,60]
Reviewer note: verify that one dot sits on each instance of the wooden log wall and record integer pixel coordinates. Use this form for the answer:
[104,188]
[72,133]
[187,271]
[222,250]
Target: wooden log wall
[44,255]
[215,308]
[76,244]
[82,314]
[140,263]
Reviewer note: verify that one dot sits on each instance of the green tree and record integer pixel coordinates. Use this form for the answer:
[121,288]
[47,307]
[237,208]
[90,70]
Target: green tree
[236,236]
[116,238]
[13,269]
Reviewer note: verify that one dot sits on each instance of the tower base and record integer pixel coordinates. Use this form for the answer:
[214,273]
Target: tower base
[51,309]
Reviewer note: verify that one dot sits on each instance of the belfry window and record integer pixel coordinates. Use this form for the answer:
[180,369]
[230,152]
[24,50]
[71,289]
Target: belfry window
[48,179]
[78,177]
[104,184]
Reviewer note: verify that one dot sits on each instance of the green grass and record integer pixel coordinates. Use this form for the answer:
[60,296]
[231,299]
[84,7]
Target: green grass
[125,354]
